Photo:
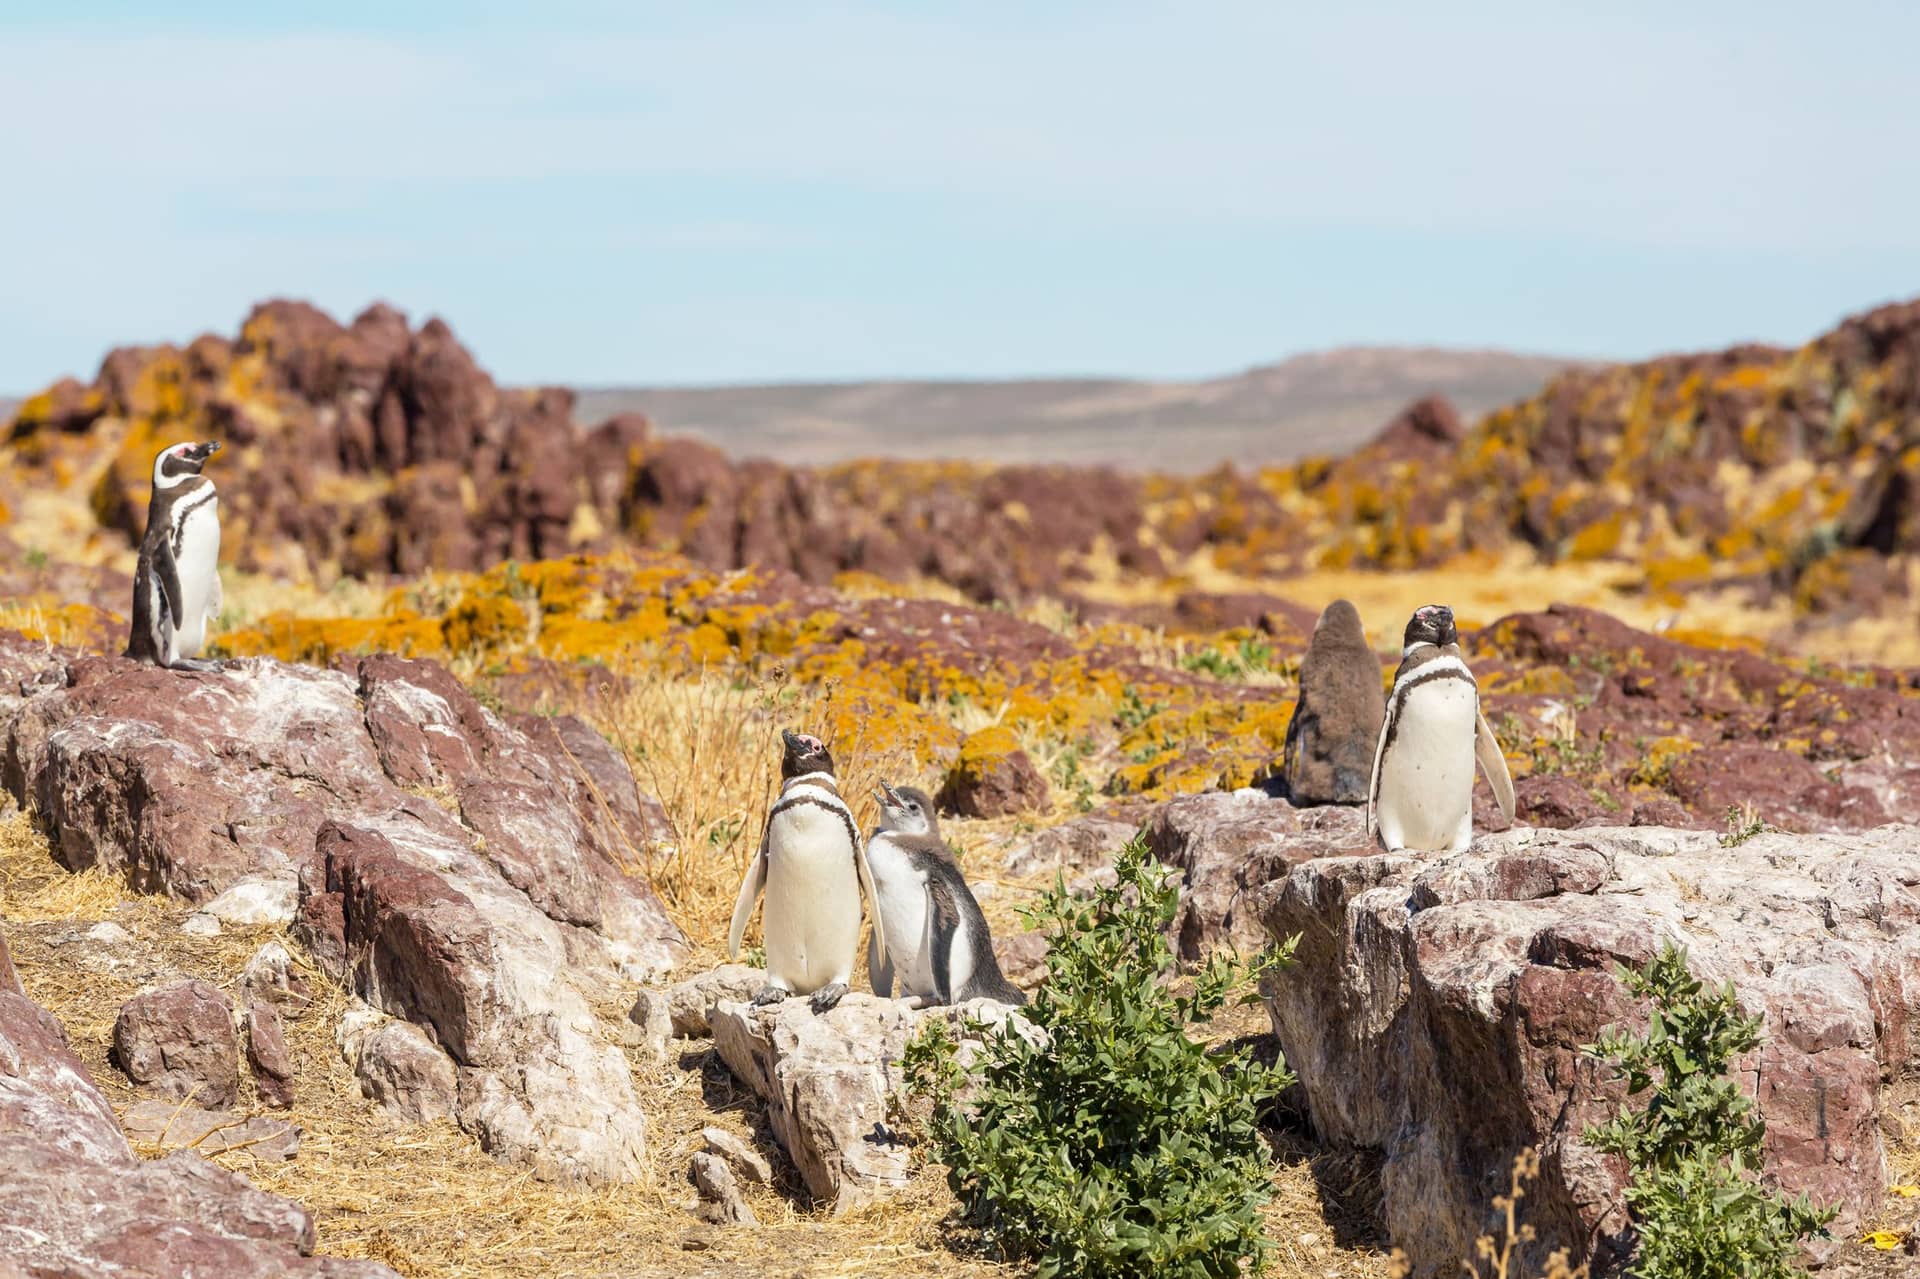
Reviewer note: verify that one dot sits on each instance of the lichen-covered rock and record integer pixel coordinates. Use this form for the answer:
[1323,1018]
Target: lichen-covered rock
[178,1040]
[1438,1008]
[994,777]
[1336,721]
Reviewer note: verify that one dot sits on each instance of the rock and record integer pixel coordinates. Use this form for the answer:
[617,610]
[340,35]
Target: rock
[690,1003]
[267,1054]
[273,976]
[652,1019]
[76,1200]
[170,1126]
[402,1071]
[1336,721]
[200,924]
[256,900]
[108,933]
[1069,847]
[746,1161]
[9,979]
[1023,958]
[1227,843]
[829,1082]
[1438,1007]
[178,1040]
[994,778]
[720,1199]
[450,868]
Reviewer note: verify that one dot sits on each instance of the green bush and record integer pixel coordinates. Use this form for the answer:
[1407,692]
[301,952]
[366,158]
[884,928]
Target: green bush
[1122,1147]
[1694,1148]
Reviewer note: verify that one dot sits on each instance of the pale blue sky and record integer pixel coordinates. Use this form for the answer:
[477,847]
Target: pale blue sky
[632,193]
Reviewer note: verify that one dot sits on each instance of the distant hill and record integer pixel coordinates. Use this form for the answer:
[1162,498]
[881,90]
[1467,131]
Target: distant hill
[1324,403]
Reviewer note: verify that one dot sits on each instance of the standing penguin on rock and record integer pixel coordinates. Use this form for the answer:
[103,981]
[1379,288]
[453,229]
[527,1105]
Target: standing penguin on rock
[176,587]
[813,871]
[1422,794]
[942,948]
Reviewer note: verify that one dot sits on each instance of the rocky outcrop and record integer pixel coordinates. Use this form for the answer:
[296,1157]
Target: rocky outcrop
[456,872]
[1337,717]
[178,1040]
[404,1073]
[994,777]
[1226,845]
[830,1081]
[76,1200]
[1437,1010]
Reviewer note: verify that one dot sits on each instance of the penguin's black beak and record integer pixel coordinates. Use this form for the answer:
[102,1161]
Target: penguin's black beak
[789,739]
[201,452]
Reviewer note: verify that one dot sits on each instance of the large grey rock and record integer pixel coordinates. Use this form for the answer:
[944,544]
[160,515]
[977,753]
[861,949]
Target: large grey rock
[76,1201]
[1438,1009]
[720,1198]
[828,1081]
[1328,756]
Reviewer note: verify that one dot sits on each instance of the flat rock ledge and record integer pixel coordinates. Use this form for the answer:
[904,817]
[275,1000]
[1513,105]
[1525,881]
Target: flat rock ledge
[1438,1007]
[830,1082]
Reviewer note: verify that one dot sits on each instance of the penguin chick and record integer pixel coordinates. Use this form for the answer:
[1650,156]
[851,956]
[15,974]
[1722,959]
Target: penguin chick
[1422,792]
[176,585]
[942,948]
[813,872]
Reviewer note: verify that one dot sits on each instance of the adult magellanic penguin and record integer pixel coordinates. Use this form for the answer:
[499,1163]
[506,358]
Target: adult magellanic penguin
[1422,793]
[176,586]
[814,873]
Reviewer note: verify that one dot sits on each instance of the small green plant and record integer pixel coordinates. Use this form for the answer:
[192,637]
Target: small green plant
[1120,1147]
[1135,710]
[1743,823]
[1070,774]
[36,559]
[1697,1203]
[1252,656]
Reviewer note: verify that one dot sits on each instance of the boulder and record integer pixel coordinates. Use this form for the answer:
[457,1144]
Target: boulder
[1336,720]
[1228,843]
[689,1004]
[1069,847]
[76,1200]
[402,1071]
[1438,1009]
[745,1160]
[178,1040]
[273,976]
[268,1056]
[994,778]
[830,1082]
[451,868]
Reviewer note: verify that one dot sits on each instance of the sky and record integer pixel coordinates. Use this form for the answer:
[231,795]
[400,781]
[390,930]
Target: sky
[605,194]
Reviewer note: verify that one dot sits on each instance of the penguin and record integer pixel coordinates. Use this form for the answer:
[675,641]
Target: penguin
[176,586]
[814,872]
[942,949]
[1422,793]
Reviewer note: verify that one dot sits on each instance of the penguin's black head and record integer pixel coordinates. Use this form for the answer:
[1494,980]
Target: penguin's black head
[805,753]
[1432,624]
[907,809]
[178,461]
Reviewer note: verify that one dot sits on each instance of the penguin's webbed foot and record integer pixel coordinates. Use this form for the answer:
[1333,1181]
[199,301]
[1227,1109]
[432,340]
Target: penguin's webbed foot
[827,996]
[206,665]
[769,994]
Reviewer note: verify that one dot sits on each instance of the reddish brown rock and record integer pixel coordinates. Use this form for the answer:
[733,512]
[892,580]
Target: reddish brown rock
[1438,1009]
[178,1040]
[75,1199]
[994,778]
[268,1056]
[9,979]
[1336,721]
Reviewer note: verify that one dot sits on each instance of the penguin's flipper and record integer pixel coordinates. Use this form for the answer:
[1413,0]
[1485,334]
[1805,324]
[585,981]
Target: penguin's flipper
[1493,762]
[1379,753]
[943,923]
[878,943]
[879,968]
[750,889]
[166,571]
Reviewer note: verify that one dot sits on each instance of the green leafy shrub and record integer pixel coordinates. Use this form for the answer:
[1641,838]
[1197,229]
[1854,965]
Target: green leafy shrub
[1694,1148]
[1122,1147]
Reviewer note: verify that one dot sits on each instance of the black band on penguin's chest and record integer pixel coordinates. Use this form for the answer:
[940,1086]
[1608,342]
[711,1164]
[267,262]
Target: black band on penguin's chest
[838,810]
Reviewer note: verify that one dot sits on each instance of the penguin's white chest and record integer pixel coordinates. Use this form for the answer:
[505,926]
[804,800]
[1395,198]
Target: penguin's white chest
[812,921]
[902,891]
[1425,789]
[198,561]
